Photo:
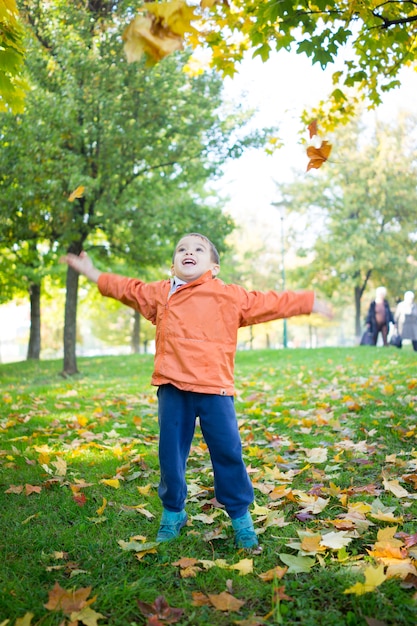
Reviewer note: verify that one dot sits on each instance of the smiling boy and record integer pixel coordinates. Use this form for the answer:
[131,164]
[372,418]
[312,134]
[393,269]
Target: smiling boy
[197,318]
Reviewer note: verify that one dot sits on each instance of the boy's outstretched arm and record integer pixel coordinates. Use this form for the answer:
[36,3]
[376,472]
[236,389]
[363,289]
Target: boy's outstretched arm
[82,264]
[323,308]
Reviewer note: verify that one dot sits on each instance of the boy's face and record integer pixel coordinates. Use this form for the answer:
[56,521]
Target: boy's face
[192,259]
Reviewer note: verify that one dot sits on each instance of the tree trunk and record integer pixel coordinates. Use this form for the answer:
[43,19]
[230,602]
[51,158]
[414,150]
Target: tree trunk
[70,323]
[34,346]
[359,291]
[135,342]
[358,323]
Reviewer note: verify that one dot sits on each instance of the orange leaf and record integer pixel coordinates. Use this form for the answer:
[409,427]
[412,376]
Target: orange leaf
[225,601]
[318,156]
[77,193]
[79,499]
[14,489]
[32,489]
[68,601]
[312,128]
[276,572]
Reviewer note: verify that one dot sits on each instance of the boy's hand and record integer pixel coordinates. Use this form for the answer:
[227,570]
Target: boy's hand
[323,308]
[82,264]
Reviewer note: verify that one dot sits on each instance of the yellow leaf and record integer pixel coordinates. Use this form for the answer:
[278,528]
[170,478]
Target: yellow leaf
[111,482]
[260,510]
[245,566]
[336,540]
[139,40]
[374,576]
[77,193]
[60,466]
[144,490]
[100,510]
[87,616]
[387,534]
[394,487]
[316,455]
[26,620]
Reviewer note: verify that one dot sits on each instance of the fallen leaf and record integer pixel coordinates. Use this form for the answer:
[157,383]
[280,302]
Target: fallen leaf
[271,574]
[29,489]
[68,601]
[161,610]
[297,564]
[225,601]
[374,576]
[245,566]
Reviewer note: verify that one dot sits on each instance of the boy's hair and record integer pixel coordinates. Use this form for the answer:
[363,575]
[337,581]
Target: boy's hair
[215,256]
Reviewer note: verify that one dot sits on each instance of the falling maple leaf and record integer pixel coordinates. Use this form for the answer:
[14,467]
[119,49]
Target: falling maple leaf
[77,193]
[319,155]
[159,32]
[312,128]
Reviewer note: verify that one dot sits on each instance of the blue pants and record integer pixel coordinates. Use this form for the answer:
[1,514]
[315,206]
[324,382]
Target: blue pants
[177,412]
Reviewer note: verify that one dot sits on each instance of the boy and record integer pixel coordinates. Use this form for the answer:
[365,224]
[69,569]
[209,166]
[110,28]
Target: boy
[197,317]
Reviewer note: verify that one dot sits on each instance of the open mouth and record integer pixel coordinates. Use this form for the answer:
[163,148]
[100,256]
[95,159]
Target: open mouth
[188,262]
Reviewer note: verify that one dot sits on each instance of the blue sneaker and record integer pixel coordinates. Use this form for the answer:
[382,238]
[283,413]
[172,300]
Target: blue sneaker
[245,536]
[171,524]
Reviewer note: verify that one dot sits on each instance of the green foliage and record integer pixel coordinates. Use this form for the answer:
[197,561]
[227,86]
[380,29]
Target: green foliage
[377,38]
[13,85]
[365,201]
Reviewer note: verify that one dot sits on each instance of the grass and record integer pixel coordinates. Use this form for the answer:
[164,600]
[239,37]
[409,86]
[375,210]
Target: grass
[357,407]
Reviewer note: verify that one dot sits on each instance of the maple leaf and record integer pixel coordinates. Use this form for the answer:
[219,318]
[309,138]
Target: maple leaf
[319,155]
[111,482]
[316,455]
[312,128]
[77,193]
[26,620]
[29,489]
[394,487]
[297,564]
[225,601]
[279,594]
[271,574]
[160,32]
[79,499]
[335,541]
[245,566]
[161,610]
[101,509]
[87,616]
[68,601]
[374,576]
[14,489]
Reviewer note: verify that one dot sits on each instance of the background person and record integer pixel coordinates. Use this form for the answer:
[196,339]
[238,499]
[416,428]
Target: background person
[405,317]
[379,316]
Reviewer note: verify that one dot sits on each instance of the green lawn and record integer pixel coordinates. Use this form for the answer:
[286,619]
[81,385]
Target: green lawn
[329,438]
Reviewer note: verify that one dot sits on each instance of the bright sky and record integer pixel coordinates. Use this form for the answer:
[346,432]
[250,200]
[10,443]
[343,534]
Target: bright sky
[280,89]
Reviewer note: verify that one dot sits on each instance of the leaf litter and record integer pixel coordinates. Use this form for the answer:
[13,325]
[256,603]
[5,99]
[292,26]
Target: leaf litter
[297,481]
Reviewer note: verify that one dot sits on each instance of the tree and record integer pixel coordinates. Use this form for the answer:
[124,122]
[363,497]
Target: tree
[13,85]
[376,37]
[365,204]
[109,155]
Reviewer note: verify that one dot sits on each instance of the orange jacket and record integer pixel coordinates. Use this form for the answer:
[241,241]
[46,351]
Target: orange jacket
[196,327]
